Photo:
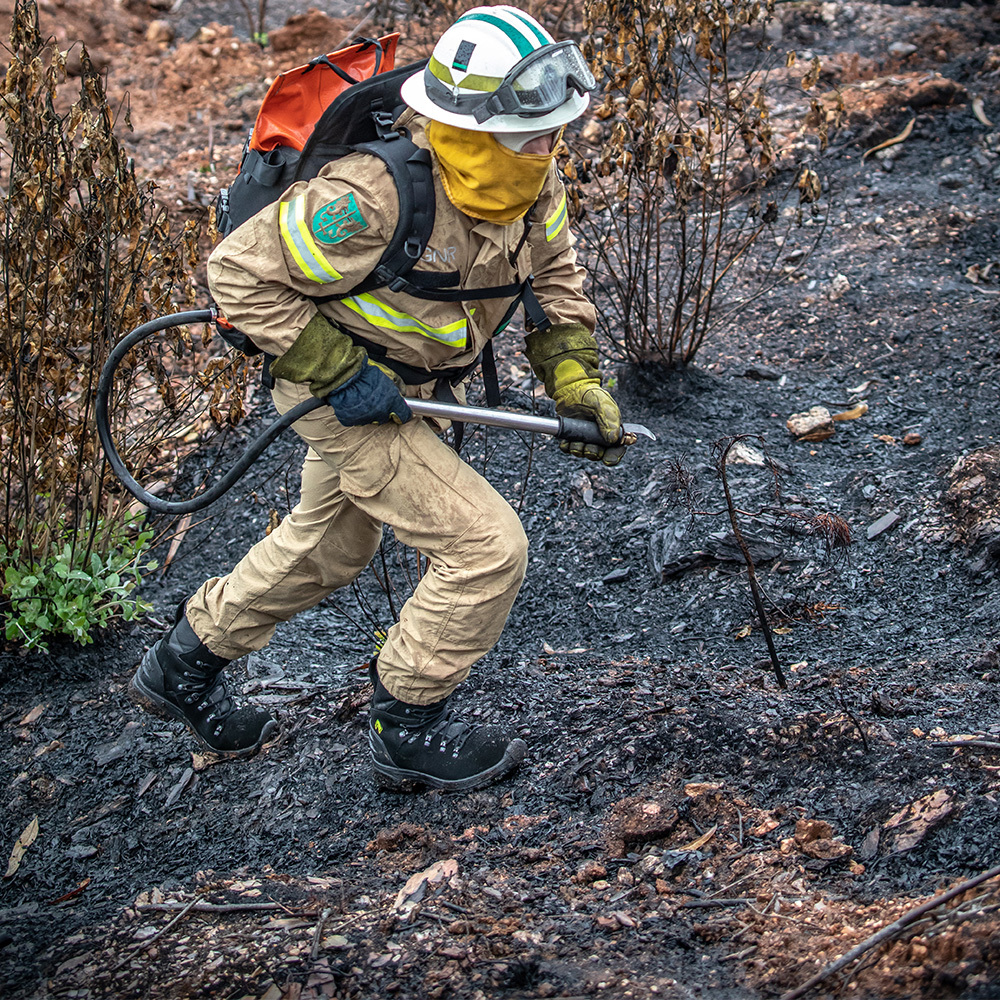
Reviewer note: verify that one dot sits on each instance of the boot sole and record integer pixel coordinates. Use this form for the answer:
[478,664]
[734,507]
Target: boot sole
[149,700]
[397,779]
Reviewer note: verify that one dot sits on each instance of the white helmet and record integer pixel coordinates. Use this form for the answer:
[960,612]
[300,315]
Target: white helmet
[496,69]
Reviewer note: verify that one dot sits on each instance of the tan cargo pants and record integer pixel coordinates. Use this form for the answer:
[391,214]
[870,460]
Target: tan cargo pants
[354,480]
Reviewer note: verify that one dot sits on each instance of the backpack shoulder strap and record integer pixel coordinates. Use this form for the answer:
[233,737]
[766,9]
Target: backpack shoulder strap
[410,168]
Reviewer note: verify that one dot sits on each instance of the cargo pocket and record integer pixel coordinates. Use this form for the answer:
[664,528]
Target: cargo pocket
[371,461]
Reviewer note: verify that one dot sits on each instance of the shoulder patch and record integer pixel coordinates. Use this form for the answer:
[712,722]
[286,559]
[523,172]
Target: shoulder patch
[338,220]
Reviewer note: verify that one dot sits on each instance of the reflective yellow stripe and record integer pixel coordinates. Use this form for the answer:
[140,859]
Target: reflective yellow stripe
[300,243]
[379,314]
[556,221]
[472,81]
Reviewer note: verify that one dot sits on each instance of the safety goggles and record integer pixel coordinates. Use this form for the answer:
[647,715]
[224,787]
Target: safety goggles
[539,83]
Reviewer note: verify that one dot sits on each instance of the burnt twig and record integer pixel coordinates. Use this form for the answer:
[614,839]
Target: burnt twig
[212,907]
[751,571]
[143,945]
[318,933]
[889,932]
[690,904]
[986,744]
[857,725]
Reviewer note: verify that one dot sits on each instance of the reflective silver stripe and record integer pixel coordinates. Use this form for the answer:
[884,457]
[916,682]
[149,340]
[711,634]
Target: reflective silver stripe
[379,314]
[556,220]
[295,232]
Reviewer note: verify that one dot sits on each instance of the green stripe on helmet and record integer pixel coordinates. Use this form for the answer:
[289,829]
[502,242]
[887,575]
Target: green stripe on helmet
[542,39]
[523,44]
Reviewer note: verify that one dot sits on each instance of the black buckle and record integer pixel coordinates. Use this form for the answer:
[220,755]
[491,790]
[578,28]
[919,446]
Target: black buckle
[384,275]
[383,125]
[389,279]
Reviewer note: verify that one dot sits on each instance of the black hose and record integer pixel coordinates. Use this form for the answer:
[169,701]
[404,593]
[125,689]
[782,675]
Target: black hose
[239,467]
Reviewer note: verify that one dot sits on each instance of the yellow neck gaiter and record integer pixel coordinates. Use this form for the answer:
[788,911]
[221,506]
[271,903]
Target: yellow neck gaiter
[485,179]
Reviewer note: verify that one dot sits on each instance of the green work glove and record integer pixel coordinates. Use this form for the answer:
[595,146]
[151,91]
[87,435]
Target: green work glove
[322,356]
[361,391]
[564,357]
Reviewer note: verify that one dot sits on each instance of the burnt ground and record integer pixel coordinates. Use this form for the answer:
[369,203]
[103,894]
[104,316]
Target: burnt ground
[682,826]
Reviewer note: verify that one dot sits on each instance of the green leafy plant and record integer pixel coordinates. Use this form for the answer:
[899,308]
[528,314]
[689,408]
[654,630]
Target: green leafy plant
[256,20]
[69,592]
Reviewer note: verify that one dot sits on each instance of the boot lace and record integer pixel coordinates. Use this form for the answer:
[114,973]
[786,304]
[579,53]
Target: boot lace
[211,691]
[448,729]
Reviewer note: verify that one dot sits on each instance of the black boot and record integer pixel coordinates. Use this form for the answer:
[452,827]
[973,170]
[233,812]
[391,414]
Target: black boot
[427,745]
[180,678]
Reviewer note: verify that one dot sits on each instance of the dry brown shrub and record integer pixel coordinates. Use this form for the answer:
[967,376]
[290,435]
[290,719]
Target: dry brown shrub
[681,186]
[87,255]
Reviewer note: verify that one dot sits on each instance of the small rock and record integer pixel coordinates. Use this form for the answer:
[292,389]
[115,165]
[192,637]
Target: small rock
[883,524]
[160,32]
[762,373]
[838,287]
[952,182]
[912,439]
[650,863]
[928,92]
[619,575]
[589,871]
[743,454]
[902,49]
[827,850]
[77,960]
[638,820]
[814,425]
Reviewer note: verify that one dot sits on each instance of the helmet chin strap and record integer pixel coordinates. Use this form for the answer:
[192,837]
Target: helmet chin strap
[518,140]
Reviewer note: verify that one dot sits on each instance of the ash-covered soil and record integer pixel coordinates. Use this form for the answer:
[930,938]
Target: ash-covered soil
[682,826]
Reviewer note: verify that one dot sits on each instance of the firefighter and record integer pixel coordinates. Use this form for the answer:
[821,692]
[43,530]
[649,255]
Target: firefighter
[490,105]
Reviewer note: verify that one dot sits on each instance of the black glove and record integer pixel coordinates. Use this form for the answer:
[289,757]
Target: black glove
[360,390]
[369,397]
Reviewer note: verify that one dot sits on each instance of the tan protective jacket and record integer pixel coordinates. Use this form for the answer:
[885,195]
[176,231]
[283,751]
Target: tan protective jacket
[325,235]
